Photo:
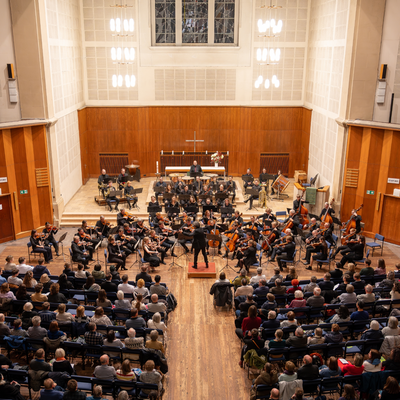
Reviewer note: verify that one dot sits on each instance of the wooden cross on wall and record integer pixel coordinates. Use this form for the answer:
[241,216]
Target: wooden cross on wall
[194,141]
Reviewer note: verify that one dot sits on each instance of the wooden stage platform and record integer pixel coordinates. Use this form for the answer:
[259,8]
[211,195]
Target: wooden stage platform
[202,271]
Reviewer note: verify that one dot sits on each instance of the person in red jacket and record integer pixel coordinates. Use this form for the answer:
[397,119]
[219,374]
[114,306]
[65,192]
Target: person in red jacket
[249,323]
[356,369]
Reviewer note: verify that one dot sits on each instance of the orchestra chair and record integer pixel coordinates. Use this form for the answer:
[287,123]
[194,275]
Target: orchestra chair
[325,262]
[71,261]
[33,252]
[292,261]
[107,263]
[362,261]
[280,214]
[373,245]
[142,260]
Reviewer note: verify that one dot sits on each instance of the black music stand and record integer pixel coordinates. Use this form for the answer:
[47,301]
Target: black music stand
[252,192]
[221,196]
[173,263]
[227,266]
[184,197]
[137,254]
[159,189]
[195,174]
[96,249]
[172,210]
[211,208]
[214,238]
[61,241]
[167,196]
[279,194]
[152,210]
[182,236]
[192,209]
[227,210]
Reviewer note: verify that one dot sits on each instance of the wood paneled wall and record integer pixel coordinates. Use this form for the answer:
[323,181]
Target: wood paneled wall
[243,131]
[22,150]
[375,153]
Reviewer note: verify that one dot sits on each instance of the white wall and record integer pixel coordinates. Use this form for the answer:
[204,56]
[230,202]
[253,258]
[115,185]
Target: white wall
[8,111]
[390,55]
[325,62]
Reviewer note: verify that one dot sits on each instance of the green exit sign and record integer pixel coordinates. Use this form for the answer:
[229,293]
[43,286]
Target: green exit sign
[370,192]
[23,192]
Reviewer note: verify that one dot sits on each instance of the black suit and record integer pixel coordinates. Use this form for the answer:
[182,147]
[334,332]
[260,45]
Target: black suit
[308,372]
[121,180]
[78,255]
[109,287]
[199,244]
[287,253]
[195,168]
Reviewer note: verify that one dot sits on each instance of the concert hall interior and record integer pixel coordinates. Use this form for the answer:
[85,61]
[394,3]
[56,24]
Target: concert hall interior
[215,146]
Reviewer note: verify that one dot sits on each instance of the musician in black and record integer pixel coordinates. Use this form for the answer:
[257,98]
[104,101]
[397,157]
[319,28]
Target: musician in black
[102,227]
[351,239]
[160,183]
[141,229]
[87,242]
[111,196]
[231,186]
[276,248]
[249,256]
[130,236]
[236,217]
[122,179]
[130,196]
[252,224]
[173,205]
[311,246]
[161,230]
[49,232]
[298,203]
[322,251]
[123,217]
[185,192]
[262,176]
[293,217]
[83,230]
[235,229]
[327,209]
[207,202]
[228,213]
[268,217]
[179,185]
[79,253]
[248,174]
[39,247]
[192,204]
[221,191]
[103,180]
[115,254]
[124,244]
[186,229]
[198,187]
[357,252]
[275,178]
[327,233]
[253,185]
[195,167]
[210,228]
[357,218]
[199,243]
[287,252]
[158,245]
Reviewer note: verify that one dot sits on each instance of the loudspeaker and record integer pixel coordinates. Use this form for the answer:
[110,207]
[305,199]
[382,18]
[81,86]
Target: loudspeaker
[382,71]
[10,71]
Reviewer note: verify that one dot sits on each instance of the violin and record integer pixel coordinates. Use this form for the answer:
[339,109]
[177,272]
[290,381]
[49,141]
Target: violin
[85,236]
[106,223]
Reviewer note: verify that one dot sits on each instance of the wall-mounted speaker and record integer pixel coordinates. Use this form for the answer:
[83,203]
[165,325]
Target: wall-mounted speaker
[382,71]
[10,71]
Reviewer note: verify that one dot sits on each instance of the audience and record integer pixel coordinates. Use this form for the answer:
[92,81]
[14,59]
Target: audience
[262,290]
[391,390]
[288,374]
[135,321]
[373,363]
[108,286]
[125,287]
[153,343]
[360,314]
[63,317]
[132,342]
[307,371]
[381,268]
[143,275]
[49,393]
[104,370]
[121,302]
[354,369]
[157,288]
[150,375]
[331,370]
[125,373]
[61,364]
[72,392]
[155,305]
[13,280]
[245,290]
[268,377]
[258,277]
[156,323]
[393,327]
[55,296]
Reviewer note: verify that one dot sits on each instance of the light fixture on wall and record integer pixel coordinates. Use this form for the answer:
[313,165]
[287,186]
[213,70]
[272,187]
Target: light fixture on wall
[268,57]
[271,26]
[128,55]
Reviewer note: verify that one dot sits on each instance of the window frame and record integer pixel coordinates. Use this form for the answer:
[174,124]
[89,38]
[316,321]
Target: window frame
[211,27]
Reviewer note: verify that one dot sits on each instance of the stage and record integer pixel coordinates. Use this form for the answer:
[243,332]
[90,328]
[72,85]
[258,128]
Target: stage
[202,271]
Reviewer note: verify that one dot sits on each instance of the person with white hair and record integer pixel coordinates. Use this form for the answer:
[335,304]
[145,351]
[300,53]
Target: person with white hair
[97,393]
[316,300]
[105,371]
[393,327]
[156,323]
[373,333]
[133,342]
[153,343]
[258,277]
[122,302]
[155,305]
[123,395]
[298,340]
[369,296]
[61,364]
[36,331]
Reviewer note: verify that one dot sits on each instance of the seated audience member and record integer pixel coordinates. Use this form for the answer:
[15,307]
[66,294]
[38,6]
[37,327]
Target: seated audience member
[38,296]
[10,390]
[278,342]
[349,296]
[39,362]
[292,274]
[360,314]
[342,286]
[64,283]
[337,273]
[295,286]
[354,369]
[289,321]
[67,270]
[334,336]
[393,327]
[10,264]
[317,300]
[81,273]
[125,373]
[112,341]
[389,281]
[114,273]
[271,322]
[252,341]
[318,337]
[60,364]
[258,277]
[97,393]
[46,282]
[298,340]
[250,322]
[49,392]
[298,301]
[21,294]
[156,323]
[22,267]
[144,275]
[309,288]
[141,289]
[392,363]
[99,318]
[373,362]
[55,296]
[349,393]
[97,273]
[155,305]
[36,331]
[133,342]
[17,329]
[244,290]
[54,331]
[138,303]
[102,300]
[157,288]
[268,377]
[373,333]
[91,285]
[358,283]
[125,286]
[277,275]
[331,370]
[104,370]
[13,280]
[151,375]
[237,282]
[288,374]
[72,392]
[63,317]
[326,284]
[93,338]
[381,268]
[394,294]
[46,315]
[368,297]
[80,316]
[6,293]
[135,321]
[153,343]
[308,371]
[123,395]
[270,304]
[391,390]
[342,315]
[122,302]
[368,270]
[262,289]
[108,286]
[4,329]
[27,315]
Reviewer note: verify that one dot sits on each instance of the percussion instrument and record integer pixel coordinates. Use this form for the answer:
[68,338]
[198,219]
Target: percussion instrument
[212,175]
[187,178]
[174,177]
[132,168]
[280,183]
[204,178]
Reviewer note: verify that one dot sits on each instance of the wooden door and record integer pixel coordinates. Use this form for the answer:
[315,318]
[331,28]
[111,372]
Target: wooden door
[6,219]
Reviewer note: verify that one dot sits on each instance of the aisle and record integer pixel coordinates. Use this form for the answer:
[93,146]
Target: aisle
[203,350]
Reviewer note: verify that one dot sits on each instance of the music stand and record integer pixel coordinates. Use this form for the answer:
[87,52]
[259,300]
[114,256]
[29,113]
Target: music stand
[184,197]
[279,190]
[221,196]
[61,240]
[97,252]
[247,178]
[227,210]
[195,174]
[227,266]
[152,210]
[214,238]
[172,210]
[191,209]
[211,208]
[173,263]
[182,236]
[252,192]
[137,253]
[159,189]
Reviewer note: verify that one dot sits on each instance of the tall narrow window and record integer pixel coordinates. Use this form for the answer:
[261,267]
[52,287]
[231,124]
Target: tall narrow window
[165,21]
[224,21]
[195,21]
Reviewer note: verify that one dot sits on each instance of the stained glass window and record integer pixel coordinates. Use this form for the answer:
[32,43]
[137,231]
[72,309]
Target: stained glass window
[165,21]
[194,21]
[224,21]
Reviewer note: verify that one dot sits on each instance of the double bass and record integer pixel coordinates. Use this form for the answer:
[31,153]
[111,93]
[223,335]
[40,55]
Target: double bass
[327,217]
[303,212]
[349,225]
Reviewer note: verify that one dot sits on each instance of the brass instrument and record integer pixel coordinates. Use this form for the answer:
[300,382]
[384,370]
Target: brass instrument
[262,198]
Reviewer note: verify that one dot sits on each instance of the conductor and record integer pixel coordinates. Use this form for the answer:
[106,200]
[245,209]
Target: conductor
[195,167]
[199,243]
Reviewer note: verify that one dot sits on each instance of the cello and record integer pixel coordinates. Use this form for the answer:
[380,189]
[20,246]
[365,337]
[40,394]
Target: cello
[327,217]
[215,231]
[350,224]
[303,213]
